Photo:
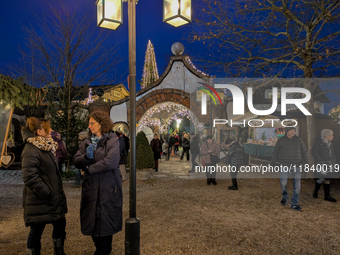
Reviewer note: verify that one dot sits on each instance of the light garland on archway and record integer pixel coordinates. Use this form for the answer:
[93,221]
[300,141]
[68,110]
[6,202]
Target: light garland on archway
[182,113]
[148,121]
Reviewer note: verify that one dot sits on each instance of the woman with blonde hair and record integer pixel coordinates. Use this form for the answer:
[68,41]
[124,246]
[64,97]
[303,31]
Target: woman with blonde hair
[44,200]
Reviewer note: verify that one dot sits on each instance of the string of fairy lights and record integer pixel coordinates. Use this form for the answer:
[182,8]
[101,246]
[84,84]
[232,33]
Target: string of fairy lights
[180,111]
[335,113]
[193,66]
[150,71]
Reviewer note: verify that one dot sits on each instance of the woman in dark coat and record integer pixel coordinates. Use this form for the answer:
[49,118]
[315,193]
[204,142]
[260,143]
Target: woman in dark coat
[44,200]
[156,147]
[186,146]
[101,198]
[323,154]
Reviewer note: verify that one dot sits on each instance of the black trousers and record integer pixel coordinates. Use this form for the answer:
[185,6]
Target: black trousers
[185,150]
[193,162]
[34,236]
[210,176]
[103,244]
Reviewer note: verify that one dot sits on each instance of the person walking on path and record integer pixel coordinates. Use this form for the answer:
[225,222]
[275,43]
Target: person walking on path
[186,146]
[123,155]
[177,140]
[171,144]
[234,158]
[210,152]
[156,147]
[290,152]
[194,150]
[101,197]
[44,200]
[324,155]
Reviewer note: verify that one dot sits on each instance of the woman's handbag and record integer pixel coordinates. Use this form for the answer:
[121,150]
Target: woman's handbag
[213,158]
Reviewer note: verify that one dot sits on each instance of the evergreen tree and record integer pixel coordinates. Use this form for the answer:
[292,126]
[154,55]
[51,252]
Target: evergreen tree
[150,71]
[144,153]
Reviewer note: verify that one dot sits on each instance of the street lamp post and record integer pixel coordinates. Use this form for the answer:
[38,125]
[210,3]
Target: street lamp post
[110,15]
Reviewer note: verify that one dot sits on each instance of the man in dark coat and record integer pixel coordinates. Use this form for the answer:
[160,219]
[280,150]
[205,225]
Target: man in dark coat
[44,200]
[324,157]
[186,146]
[290,152]
[234,158]
[194,150]
[127,143]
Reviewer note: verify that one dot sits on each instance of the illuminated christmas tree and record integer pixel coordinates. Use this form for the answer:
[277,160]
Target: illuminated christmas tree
[150,72]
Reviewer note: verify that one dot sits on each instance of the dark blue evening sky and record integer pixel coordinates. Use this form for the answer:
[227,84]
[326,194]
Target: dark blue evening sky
[149,21]
[150,26]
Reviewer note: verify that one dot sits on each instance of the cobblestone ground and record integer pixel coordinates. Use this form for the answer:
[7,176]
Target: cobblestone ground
[181,215]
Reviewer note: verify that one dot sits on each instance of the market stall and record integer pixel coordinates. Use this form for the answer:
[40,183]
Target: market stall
[263,135]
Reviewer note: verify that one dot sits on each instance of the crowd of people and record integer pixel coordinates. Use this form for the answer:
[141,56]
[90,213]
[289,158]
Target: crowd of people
[102,157]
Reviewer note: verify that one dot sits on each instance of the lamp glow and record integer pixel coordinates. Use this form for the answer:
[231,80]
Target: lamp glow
[109,13]
[177,12]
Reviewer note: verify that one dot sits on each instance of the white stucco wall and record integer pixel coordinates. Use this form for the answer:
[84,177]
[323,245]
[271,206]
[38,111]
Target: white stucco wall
[118,113]
[179,77]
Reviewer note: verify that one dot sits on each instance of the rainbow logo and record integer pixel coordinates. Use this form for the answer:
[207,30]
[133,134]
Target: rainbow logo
[209,93]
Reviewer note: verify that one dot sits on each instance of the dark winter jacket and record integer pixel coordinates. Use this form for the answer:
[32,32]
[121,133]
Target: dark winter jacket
[235,154]
[172,141]
[61,153]
[44,200]
[156,147]
[290,151]
[122,151]
[127,143]
[101,198]
[195,145]
[321,153]
[186,143]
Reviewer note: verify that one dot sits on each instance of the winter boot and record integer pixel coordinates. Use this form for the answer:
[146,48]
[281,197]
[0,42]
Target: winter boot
[326,188]
[59,246]
[209,181]
[213,181]
[234,186]
[32,251]
[316,190]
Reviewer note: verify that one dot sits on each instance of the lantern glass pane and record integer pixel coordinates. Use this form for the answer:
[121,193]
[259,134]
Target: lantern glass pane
[176,22]
[99,11]
[113,10]
[186,9]
[110,24]
[171,8]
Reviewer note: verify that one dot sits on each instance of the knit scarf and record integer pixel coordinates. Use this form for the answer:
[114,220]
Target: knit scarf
[44,144]
[95,139]
[328,143]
